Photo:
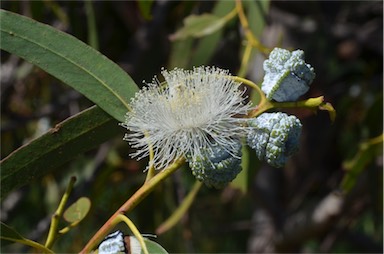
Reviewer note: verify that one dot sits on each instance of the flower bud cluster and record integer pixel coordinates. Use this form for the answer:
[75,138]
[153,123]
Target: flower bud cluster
[200,115]
[274,136]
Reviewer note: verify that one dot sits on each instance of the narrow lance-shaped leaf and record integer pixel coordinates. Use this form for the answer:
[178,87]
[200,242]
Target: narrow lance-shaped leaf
[208,45]
[198,26]
[69,60]
[368,150]
[66,140]
[145,8]
[9,235]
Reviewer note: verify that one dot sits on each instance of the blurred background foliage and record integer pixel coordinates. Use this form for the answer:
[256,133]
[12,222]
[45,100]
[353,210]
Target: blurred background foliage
[329,196]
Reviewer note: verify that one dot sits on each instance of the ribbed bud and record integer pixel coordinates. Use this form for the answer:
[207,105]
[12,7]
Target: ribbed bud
[218,167]
[113,243]
[274,137]
[287,76]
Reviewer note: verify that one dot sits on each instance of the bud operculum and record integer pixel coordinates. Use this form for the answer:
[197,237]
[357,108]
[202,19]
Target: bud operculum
[216,168]
[274,137]
[287,76]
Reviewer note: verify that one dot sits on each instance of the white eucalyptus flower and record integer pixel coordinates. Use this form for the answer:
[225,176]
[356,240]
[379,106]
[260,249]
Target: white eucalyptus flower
[192,111]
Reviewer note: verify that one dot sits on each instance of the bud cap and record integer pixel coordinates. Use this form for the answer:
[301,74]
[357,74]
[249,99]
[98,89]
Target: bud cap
[216,168]
[274,137]
[287,76]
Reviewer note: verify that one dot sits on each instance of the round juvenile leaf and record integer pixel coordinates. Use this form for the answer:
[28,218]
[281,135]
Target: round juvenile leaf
[152,247]
[78,210]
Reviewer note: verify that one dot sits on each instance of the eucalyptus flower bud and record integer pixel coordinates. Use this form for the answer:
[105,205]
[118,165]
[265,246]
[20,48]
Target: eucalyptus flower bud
[113,243]
[287,76]
[218,167]
[274,137]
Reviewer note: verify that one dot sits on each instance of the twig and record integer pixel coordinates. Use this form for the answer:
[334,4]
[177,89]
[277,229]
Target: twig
[134,200]
[53,229]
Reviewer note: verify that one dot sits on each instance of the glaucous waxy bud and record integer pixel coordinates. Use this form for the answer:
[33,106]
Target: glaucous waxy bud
[287,76]
[113,243]
[274,137]
[217,168]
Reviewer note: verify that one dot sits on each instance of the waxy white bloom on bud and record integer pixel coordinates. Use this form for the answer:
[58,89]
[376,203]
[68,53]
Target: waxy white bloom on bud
[275,137]
[287,76]
[218,168]
[193,110]
[113,243]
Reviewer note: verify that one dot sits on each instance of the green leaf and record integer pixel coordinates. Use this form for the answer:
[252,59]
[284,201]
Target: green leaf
[179,213]
[207,46]
[180,53]
[91,23]
[66,140]
[368,151]
[78,210]
[69,60]
[145,7]
[9,234]
[250,164]
[256,14]
[241,181]
[199,26]
[255,97]
[152,246]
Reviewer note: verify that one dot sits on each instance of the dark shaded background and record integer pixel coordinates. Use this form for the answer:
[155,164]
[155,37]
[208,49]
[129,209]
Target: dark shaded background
[342,41]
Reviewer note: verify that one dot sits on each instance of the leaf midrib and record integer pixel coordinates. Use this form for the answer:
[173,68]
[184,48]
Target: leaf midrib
[11,33]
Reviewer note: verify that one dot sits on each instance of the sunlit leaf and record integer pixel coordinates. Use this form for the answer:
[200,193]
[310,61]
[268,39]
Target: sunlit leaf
[207,45]
[78,210]
[256,14]
[69,60]
[198,26]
